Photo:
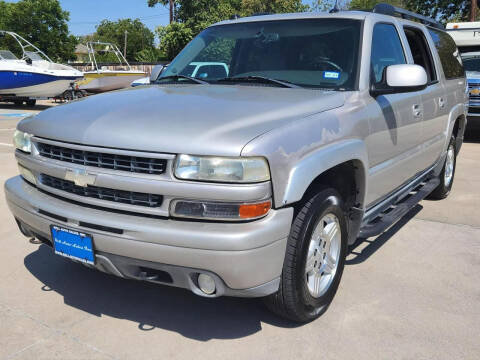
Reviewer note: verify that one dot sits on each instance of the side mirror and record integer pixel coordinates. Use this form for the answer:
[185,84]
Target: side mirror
[156,71]
[400,79]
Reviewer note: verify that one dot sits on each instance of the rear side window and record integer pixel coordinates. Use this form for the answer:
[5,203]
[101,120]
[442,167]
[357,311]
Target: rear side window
[449,54]
[386,50]
[421,51]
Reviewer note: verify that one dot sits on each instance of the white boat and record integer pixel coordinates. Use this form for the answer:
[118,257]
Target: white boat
[103,79]
[34,74]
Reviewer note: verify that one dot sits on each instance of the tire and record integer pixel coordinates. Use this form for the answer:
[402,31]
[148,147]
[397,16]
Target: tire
[18,102]
[296,298]
[31,102]
[447,175]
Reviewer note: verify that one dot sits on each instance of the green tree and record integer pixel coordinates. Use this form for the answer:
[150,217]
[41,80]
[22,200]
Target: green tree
[192,16]
[139,37]
[370,4]
[149,55]
[443,10]
[173,38]
[43,23]
[250,7]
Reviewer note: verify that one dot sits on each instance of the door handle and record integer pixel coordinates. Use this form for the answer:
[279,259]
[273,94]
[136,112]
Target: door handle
[441,103]
[417,110]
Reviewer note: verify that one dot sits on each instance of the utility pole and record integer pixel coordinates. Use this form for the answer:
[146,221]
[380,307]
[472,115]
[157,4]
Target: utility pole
[170,2]
[125,45]
[473,11]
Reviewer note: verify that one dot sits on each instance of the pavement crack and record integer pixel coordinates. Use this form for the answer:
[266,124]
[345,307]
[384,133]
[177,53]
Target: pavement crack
[12,356]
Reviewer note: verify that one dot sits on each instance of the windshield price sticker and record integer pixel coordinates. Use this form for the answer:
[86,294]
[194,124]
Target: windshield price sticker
[331,74]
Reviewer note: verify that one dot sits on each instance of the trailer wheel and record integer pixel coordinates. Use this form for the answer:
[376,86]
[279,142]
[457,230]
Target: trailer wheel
[18,102]
[31,102]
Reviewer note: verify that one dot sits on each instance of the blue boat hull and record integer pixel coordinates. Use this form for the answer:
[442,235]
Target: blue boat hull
[19,79]
[31,84]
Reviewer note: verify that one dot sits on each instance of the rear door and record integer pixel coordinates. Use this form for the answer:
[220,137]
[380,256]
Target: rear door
[453,77]
[434,101]
[396,123]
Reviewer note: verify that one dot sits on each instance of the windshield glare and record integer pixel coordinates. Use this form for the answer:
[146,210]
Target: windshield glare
[317,53]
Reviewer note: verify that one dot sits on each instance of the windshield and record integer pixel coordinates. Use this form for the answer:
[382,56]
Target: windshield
[471,63]
[33,55]
[7,55]
[316,53]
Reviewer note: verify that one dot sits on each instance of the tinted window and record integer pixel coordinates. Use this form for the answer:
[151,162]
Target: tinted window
[386,50]
[316,53]
[421,51]
[449,54]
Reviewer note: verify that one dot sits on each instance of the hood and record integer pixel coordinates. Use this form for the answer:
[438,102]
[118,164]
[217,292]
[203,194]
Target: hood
[192,119]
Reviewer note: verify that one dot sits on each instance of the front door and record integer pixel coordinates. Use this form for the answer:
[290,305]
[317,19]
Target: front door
[396,121]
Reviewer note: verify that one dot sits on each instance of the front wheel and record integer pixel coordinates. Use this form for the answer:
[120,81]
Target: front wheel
[447,175]
[314,259]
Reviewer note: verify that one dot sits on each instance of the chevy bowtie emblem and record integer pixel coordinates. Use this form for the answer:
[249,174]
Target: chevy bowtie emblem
[80,177]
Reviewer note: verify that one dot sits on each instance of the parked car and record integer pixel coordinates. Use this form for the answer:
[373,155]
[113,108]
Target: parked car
[156,71]
[204,69]
[325,128]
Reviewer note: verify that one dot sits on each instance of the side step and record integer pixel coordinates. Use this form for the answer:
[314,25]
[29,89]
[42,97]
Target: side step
[396,211]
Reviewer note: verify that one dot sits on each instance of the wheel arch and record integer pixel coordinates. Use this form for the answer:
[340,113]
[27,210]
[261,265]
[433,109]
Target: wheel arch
[342,166]
[457,123]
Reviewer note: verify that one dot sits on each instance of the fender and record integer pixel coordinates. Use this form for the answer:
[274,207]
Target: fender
[322,159]
[458,111]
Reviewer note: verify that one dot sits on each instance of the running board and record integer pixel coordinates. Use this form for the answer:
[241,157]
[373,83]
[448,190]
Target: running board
[395,212]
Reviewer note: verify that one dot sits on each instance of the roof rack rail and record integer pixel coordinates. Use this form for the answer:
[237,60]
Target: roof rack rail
[387,9]
[262,14]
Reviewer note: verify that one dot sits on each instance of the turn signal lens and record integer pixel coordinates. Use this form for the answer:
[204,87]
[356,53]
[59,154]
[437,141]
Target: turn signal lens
[27,174]
[250,211]
[194,209]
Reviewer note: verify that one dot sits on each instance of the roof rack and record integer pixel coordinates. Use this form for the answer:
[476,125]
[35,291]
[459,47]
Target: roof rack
[387,9]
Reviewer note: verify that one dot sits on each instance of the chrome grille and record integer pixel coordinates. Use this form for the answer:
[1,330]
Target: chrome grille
[132,164]
[119,196]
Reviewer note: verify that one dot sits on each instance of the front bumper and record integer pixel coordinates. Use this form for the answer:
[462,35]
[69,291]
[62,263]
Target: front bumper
[245,259]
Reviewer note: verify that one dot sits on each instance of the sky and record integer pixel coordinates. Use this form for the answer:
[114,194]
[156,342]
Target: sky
[86,14]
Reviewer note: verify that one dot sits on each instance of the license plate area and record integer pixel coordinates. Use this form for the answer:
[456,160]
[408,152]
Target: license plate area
[73,244]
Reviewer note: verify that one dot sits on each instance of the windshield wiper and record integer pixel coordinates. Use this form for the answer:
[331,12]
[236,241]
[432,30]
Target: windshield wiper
[178,77]
[261,79]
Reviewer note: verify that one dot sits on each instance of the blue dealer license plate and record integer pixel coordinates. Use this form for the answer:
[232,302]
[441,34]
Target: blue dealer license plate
[73,244]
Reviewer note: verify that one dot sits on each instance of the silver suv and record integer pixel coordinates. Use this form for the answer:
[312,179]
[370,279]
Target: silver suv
[328,128]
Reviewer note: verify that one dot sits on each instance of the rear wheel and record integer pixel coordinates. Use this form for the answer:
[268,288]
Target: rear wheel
[447,175]
[314,260]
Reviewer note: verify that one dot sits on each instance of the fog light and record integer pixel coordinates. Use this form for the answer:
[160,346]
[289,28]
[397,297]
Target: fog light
[206,284]
[27,174]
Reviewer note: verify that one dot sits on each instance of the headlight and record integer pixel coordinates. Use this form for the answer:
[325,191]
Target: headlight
[22,141]
[222,169]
